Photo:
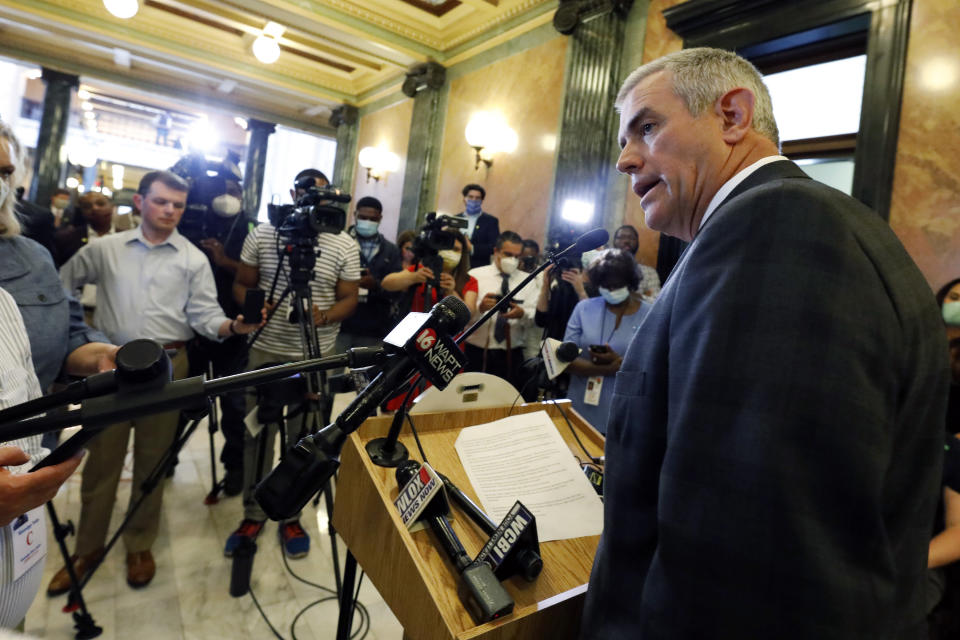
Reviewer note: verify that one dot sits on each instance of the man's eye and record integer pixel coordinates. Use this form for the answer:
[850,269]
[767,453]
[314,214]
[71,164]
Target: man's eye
[646,128]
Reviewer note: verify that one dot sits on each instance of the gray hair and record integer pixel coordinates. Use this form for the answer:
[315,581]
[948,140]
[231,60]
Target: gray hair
[9,225]
[701,75]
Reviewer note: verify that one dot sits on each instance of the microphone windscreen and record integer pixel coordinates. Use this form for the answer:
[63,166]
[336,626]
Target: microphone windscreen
[456,313]
[592,240]
[568,352]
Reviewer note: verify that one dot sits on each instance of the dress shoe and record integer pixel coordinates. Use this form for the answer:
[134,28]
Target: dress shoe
[233,482]
[81,565]
[140,568]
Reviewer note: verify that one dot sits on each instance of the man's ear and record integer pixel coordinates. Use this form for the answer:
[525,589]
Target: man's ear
[138,201]
[735,109]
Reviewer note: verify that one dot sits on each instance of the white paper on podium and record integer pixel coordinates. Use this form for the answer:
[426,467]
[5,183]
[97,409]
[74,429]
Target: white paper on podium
[524,458]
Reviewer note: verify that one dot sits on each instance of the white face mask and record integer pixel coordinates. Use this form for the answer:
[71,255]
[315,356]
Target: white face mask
[4,191]
[226,205]
[450,257]
[616,296]
[509,264]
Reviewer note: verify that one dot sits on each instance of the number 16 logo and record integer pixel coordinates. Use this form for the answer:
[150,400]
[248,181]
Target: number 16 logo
[426,339]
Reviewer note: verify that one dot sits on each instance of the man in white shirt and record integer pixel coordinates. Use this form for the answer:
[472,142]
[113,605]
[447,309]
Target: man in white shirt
[153,283]
[497,346]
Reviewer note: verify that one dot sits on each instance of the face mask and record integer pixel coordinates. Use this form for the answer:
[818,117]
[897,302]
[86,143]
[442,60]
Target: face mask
[450,258]
[4,191]
[616,296]
[226,205]
[367,228]
[61,203]
[951,313]
[588,257]
[473,207]
[509,264]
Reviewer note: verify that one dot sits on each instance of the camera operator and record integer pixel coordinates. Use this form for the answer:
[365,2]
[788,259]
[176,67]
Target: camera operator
[334,287]
[562,288]
[378,257]
[454,278]
[214,221]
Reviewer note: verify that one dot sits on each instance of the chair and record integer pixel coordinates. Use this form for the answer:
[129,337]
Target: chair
[469,390]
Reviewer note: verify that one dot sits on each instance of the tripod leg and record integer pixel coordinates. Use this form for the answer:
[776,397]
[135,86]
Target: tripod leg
[347,603]
[328,497]
[83,621]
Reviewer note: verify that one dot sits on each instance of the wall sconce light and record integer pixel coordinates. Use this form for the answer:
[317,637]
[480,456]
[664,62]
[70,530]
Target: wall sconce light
[123,9]
[378,162]
[488,133]
[266,48]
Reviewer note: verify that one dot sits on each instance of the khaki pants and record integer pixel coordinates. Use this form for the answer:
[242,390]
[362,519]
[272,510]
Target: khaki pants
[153,435]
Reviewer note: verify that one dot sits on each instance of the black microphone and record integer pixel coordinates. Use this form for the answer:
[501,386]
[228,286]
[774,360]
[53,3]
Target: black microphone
[590,240]
[242,567]
[306,467]
[479,590]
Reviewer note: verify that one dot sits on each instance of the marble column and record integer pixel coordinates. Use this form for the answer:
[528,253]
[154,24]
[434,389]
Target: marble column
[345,118]
[423,154]
[586,145]
[255,165]
[48,163]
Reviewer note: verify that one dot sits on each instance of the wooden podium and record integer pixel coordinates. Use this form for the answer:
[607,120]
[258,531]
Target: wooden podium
[410,570]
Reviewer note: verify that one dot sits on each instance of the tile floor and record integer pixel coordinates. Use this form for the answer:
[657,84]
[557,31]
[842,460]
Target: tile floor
[189,597]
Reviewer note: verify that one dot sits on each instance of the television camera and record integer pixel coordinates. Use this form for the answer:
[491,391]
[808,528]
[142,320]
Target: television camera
[434,237]
[312,214]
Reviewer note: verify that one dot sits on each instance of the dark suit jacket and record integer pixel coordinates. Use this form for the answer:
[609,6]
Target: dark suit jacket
[483,239]
[775,439]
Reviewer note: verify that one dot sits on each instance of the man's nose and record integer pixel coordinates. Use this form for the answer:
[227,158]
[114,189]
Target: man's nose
[629,161]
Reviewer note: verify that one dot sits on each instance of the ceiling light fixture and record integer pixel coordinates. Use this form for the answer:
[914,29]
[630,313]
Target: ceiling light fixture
[266,48]
[123,9]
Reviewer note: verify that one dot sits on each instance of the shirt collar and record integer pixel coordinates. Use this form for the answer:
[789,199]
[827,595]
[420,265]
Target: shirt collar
[732,183]
[175,240]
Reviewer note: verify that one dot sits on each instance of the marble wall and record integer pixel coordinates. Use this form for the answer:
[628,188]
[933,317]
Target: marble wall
[658,41]
[925,210]
[388,128]
[527,88]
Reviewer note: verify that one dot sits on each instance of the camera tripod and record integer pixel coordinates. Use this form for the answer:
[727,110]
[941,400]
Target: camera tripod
[302,257]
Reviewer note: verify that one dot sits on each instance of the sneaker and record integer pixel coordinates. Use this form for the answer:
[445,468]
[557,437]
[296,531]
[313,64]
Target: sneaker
[249,529]
[295,541]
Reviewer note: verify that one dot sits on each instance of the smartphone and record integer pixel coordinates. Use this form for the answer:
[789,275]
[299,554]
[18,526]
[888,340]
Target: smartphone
[599,348]
[253,305]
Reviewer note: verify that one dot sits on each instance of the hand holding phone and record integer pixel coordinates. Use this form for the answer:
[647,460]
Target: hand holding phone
[599,348]
[253,305]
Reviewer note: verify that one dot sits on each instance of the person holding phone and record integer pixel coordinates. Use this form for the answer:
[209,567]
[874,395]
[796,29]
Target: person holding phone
[603,327]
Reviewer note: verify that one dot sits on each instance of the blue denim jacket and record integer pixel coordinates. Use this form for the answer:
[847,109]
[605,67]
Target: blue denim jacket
[53,318]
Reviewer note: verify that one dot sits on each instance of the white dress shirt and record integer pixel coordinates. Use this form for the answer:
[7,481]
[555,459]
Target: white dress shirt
[163,292]
[731,184]
[489,281]
[88,297]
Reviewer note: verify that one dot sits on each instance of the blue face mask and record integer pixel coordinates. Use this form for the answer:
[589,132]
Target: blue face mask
[473,207]
[367,228]
[616,296]
[951,313]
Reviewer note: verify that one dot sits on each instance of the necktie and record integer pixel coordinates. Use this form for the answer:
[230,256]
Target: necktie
[501,328]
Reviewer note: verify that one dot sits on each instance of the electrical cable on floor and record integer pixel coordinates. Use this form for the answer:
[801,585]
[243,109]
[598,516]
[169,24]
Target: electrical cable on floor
[263,614]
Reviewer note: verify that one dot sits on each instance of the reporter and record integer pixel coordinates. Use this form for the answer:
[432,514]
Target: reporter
[454,279]
[608,324]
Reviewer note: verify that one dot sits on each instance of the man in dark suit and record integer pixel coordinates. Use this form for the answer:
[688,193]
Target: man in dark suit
[775,439]
[483,228]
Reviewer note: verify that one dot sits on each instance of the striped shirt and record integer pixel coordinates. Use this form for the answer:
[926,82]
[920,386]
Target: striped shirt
[338,258]
[18,383]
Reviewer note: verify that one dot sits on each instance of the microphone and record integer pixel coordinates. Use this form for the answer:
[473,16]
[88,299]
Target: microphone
[428,346]
[479,590]
[557,356]
[590,240]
